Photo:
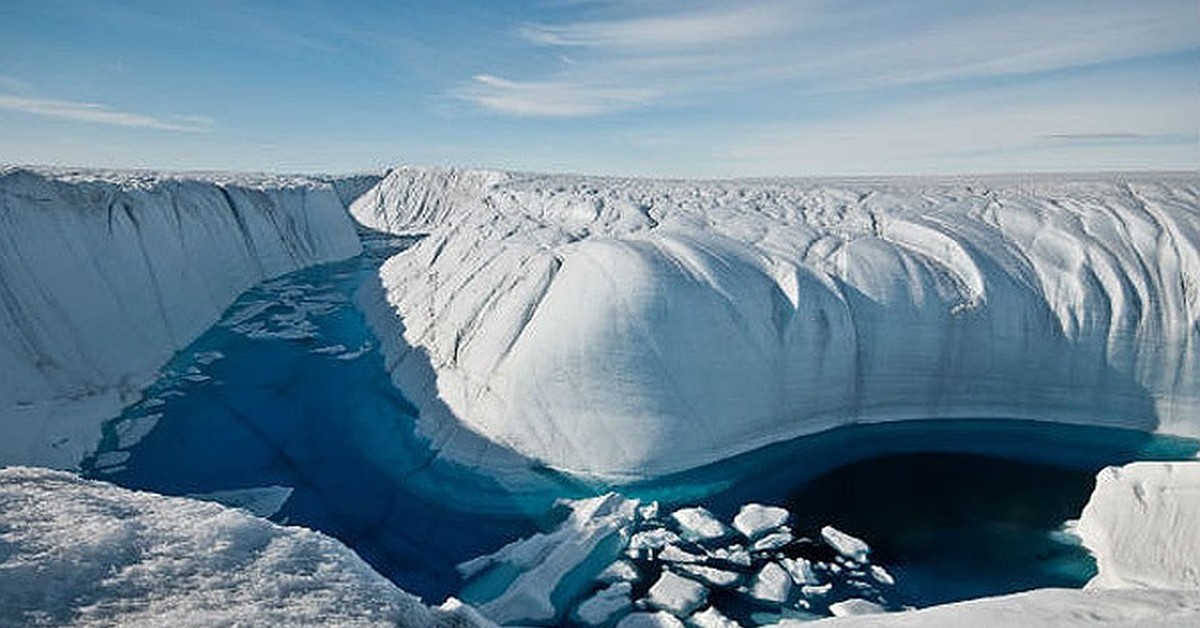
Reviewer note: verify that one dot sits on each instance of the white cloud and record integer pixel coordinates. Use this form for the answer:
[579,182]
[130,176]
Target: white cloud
[552,98]
[813,47]
[101,114]
[977,133]
[692,29]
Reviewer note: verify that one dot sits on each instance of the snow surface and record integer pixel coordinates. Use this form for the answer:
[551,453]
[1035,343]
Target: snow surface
[104,275]
[1142,523]
[622,329]
[1061,608]
[83,553]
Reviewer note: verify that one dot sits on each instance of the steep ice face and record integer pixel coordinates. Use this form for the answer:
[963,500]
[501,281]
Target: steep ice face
[625,328]
[103,275]
[83,553]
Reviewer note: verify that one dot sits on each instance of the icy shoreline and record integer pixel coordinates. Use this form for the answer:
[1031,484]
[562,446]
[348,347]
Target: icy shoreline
[169,559]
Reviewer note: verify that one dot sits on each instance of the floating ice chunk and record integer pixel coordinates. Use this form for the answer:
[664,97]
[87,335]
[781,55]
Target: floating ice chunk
[619,571]
[754,520]
[544,561]
[851,547]
[697,524]
[855,606]
[656,538]
[801,570]
[660,619]
[262,501]
[882,576]
[676,554]
[605,604]
[735,554]
[711,575]
[648,512]
[774,540]
[676,594]
[712,618]
[772,584]
[815,590]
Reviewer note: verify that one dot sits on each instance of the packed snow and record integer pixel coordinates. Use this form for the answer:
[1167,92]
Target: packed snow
[622,329]
[84,553]
[1061,608]
[1142,523]
[104,275]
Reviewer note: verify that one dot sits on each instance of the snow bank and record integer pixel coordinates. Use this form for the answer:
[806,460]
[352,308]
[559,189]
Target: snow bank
[1063,608]
[81,553]
[104,275]
[1142,523]
[629,328]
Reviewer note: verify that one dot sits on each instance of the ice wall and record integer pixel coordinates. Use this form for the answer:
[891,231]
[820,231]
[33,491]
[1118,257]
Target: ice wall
[630,328]
[104,275]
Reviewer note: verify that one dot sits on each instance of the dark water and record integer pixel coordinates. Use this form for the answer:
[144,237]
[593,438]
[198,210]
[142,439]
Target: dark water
[289,389]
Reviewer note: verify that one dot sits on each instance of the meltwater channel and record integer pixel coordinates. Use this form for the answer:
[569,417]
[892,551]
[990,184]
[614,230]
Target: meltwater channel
[289,390]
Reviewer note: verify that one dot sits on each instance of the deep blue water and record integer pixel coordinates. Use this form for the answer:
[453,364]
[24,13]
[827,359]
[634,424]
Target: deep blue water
[289,389]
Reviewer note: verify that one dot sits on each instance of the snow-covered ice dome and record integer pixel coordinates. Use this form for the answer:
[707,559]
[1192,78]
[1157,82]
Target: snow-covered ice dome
[630,328]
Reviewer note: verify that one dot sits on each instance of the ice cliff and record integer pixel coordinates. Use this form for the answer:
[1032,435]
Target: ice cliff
[104,275]
[629,328]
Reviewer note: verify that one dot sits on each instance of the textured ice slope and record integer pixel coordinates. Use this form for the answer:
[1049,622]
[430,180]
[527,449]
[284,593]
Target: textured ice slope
[104,275]
[80,553]
[626,328]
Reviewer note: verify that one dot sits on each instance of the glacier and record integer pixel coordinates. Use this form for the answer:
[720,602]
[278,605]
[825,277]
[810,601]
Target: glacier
[621,329]
[105,274]
[565,336]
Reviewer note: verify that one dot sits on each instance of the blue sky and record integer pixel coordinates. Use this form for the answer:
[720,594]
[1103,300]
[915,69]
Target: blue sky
[665,88]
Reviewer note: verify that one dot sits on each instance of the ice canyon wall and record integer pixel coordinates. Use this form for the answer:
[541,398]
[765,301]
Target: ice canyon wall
[630,328]
[104,275]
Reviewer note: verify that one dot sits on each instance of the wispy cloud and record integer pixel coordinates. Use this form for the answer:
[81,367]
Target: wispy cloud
[1031,129]
[693,29]
[101,114]
[552,98]
[813,47]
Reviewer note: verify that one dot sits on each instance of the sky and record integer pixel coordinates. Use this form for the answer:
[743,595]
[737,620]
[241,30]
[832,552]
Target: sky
[673,88]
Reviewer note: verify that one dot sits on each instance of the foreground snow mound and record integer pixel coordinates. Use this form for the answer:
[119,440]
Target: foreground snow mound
[1142,523]
[629,328]
[81,553]
[1061,608]
[104,275]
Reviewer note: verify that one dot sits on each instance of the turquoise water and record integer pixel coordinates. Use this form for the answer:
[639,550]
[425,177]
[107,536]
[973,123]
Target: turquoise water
[289,389]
